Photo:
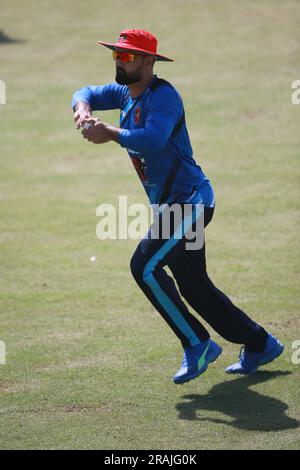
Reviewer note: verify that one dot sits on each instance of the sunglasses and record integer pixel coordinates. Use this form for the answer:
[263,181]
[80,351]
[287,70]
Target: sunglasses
[124,56]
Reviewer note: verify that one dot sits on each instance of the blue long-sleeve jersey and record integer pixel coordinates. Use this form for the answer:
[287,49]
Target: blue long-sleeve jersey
[156,138]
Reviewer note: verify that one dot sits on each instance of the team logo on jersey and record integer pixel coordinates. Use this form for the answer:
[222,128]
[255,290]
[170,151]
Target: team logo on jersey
[137,115]
[140,166]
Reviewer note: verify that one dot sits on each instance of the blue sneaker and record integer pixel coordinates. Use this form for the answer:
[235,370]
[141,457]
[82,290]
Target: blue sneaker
[249,361]
[195,361]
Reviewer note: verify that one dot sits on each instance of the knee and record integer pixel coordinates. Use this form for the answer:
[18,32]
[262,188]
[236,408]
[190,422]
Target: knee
[191,287]
[137,266]
[184,289]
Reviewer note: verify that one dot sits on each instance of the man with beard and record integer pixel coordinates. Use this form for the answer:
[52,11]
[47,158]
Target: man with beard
[153,130]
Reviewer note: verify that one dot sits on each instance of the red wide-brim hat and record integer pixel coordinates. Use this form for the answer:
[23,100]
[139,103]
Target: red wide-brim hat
[139,40]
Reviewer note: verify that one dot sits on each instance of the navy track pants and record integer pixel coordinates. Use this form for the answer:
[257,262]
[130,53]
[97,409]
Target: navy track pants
[189,270]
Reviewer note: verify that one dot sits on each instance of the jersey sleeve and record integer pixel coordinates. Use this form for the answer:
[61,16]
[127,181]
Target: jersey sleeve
[102,97]
[164,112]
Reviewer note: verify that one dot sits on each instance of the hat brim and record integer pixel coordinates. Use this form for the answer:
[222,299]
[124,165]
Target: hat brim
[132,49]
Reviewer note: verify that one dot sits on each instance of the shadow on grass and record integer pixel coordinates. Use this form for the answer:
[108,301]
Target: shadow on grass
[5,39]
[248,409]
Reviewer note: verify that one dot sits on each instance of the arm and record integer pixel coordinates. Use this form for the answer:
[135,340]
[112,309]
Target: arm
[163,115]
[164,112]
[95,98]
[100,98]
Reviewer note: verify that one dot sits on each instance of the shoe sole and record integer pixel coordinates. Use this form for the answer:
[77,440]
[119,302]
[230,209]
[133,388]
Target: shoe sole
[276,352]
[210,359]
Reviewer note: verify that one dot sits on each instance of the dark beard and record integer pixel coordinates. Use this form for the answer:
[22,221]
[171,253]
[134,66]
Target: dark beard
[127,79]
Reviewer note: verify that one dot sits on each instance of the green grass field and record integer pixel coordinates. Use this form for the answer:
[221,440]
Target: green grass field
[89,361]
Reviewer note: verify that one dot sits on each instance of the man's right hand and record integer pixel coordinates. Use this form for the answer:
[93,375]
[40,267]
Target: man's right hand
[82,112]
